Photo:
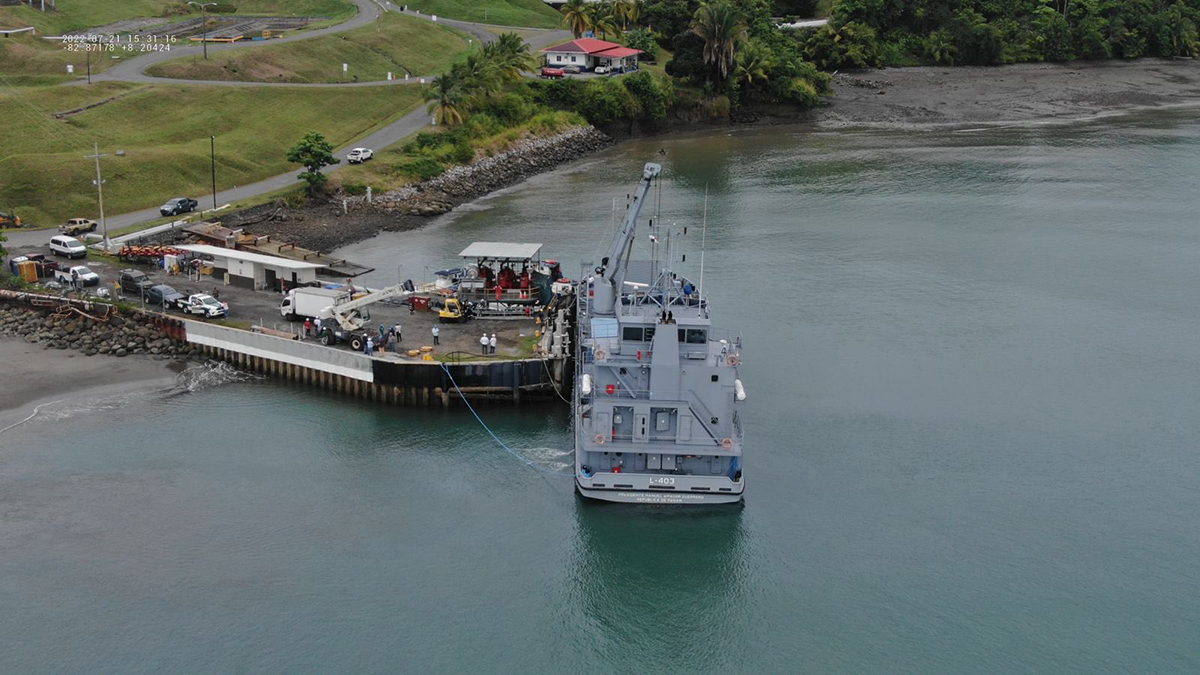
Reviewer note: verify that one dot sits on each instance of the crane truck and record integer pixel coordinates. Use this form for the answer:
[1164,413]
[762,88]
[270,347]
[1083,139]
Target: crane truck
[343,322]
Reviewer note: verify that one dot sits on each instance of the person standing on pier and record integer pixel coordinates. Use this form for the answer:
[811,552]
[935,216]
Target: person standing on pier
[391,342]
[436,333]
[483,344]
[308,326]
[396,330]
[492,344]
[370,346]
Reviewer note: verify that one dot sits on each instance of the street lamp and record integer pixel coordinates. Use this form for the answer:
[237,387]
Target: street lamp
[203,21]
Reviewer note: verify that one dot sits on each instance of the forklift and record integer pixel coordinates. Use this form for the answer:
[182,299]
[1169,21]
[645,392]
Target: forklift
[454,311]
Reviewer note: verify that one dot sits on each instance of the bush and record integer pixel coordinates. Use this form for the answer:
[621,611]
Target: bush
[562,93]
[640,38]
[605,100]
[422,168]
[511,109]
[649,95]
[849,45]
[354,189]
[717,108]
[460,153]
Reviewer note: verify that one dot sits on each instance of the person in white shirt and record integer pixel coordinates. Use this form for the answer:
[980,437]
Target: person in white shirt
[492,344]
[436,333]
[483,344]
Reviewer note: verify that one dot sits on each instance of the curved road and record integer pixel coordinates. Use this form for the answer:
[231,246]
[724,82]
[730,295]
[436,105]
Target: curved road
[132,71]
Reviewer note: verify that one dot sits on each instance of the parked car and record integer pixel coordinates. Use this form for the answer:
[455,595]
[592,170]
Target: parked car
[573,70]
[601,70]
[77,226]
[9,219]
[359,155]
[77,276]
[165,297]
[67,246]
[134,282]
[552,73]
[205,305]
[178,205]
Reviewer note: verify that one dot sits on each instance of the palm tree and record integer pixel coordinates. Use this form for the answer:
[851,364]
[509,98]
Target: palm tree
[627,11]
[511,56]
[445,100]
[754,62]
[720,26]
[602,19]
[575,17]
[479,78]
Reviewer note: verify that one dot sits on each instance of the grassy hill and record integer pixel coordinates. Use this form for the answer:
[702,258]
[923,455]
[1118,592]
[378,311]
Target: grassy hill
[27,59]
[164,131]
[73,15]
[396,43]
[532,13]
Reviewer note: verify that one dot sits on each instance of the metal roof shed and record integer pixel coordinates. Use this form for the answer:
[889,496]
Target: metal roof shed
[255,270]
[501,251]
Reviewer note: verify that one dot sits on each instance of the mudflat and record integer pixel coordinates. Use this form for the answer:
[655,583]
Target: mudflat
[1020,93]
[33,374]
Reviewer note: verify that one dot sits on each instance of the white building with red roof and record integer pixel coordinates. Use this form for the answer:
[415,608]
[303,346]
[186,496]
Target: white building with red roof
[587,53]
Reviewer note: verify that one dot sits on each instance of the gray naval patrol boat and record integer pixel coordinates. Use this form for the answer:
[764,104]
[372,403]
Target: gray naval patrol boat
[655,387]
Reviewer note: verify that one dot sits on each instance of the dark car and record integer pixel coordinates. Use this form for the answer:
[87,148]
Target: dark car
[165,297]
[177,206]
[134,282]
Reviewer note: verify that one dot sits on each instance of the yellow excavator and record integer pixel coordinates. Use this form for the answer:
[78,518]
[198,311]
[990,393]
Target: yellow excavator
[453,312]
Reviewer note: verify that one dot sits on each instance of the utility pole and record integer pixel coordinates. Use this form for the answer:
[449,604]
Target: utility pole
[89,66]
[204,22]
[100,190]
[212,144]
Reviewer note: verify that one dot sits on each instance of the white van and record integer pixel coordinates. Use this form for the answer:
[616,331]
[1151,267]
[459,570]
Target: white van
[67,246]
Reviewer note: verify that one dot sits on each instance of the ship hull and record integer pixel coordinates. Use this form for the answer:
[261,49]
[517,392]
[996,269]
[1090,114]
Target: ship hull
[624,496]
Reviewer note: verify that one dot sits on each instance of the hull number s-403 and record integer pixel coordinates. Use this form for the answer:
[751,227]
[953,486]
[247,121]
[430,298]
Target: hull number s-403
[662,480]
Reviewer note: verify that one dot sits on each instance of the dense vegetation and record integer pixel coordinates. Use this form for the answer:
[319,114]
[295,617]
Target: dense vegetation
[864,33]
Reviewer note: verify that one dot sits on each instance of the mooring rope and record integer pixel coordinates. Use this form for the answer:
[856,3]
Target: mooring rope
[491,433]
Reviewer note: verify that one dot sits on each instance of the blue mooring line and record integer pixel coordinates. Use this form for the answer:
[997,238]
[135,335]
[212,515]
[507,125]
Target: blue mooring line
[492,434]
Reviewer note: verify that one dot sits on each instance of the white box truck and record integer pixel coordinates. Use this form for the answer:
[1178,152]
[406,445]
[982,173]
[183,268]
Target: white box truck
[308,301]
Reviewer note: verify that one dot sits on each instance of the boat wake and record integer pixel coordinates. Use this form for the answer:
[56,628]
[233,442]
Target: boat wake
[553,459]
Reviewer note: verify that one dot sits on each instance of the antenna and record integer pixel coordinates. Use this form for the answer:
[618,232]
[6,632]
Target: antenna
[703,240]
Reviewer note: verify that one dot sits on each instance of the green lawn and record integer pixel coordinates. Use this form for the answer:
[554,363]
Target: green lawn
[396,43]
[75,15]
[531,13]
[164,131]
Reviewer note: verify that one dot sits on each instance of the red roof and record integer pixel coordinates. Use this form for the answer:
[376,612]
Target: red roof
[618,52]
[582,45]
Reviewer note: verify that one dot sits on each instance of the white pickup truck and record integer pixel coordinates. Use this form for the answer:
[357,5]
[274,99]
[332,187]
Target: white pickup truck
[77,276]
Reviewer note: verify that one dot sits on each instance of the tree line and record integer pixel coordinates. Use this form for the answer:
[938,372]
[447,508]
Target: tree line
[865,33]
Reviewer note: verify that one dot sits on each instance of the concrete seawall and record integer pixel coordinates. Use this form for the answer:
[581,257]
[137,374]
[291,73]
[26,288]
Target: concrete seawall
[47,318]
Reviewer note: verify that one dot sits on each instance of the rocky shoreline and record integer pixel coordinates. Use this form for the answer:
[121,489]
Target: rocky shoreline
[117,335]
[325,227]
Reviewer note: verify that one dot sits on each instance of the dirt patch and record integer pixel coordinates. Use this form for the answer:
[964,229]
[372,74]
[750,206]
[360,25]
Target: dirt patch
[321,227]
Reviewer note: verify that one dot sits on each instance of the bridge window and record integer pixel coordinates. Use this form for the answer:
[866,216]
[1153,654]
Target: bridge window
[637,333]
[693,336]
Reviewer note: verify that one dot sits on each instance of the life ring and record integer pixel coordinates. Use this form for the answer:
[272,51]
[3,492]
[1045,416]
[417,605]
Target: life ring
[599,354]
[727,443]
[600,439]
[732,360]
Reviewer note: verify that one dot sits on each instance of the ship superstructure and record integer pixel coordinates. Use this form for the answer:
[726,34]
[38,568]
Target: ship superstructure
[656,385]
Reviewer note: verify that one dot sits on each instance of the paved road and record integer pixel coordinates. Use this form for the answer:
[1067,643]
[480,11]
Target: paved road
[404,126]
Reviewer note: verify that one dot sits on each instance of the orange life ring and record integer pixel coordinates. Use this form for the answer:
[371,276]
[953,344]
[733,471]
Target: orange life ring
[599,354]
[732,360]
[727,443]
[600,439]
